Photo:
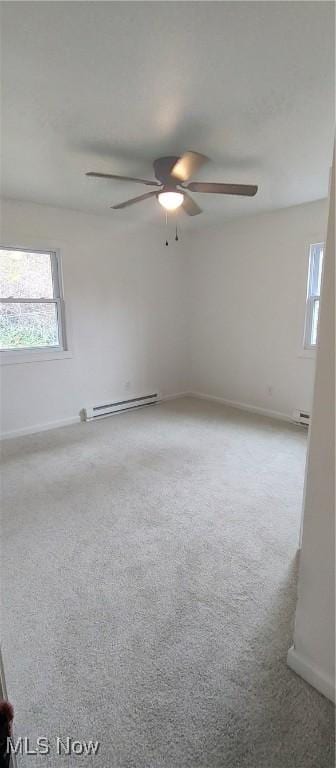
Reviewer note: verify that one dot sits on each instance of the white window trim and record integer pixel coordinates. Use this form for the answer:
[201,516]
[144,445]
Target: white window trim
[309,354]
[42,354]
[309,350]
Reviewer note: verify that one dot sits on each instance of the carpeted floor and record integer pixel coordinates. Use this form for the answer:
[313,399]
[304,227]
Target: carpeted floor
[149,591]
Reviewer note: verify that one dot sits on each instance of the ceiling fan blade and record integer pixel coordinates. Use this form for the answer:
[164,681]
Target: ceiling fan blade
[223,189]
[189,205]
[122,178]
[134,200]
[187,165]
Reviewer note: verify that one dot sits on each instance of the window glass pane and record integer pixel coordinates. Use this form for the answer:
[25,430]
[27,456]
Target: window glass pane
[25,275]
[24,325]
[316,259]
[319,274]
[315,321]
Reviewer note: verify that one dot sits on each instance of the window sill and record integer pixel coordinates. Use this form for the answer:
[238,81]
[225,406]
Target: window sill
[14,357]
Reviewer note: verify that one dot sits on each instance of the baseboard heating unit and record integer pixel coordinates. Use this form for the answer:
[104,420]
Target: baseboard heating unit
[108,409]
[301,417]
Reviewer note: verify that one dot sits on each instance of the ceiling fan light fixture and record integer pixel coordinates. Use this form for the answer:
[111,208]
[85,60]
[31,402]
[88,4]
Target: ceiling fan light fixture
[171,200]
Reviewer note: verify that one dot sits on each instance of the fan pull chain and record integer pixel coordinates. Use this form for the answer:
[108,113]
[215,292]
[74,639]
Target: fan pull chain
[167,231]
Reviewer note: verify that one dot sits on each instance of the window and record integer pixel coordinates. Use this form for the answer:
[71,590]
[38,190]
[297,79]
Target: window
[31,305]
[313,294]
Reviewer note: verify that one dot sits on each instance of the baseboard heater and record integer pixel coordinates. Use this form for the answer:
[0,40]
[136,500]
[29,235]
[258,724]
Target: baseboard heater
[301,417]
[108,409]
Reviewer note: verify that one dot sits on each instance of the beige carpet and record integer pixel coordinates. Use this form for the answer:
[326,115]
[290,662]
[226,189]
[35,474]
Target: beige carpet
[149,591]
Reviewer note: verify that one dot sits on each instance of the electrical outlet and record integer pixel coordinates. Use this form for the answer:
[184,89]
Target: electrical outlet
[127,386]
[270,390]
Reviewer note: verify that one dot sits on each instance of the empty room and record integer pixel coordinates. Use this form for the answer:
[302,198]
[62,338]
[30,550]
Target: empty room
[167,350]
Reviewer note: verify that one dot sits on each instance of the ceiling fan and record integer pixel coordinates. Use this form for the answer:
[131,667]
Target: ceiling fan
[172,184]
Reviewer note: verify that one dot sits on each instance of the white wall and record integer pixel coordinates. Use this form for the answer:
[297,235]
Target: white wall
[221,314]
[313,654]
[247,302]
[125,312]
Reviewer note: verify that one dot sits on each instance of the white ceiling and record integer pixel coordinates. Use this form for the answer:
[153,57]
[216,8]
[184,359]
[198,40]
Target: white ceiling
[109,86]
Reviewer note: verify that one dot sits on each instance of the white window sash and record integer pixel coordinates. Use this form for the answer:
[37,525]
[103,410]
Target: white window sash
[15,300]
[57,300]
[309,322]
[312,296]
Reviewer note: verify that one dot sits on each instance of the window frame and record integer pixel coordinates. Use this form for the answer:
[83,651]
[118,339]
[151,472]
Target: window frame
[311,297]
[49,352]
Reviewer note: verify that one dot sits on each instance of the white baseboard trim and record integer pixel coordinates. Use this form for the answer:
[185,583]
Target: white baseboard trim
[66,422]
[311,674]
[175,396]
[163,398]
[39,428]
[243,406]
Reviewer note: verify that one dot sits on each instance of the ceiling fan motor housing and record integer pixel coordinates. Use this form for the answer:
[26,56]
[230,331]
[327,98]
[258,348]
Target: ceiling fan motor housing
[162,169]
